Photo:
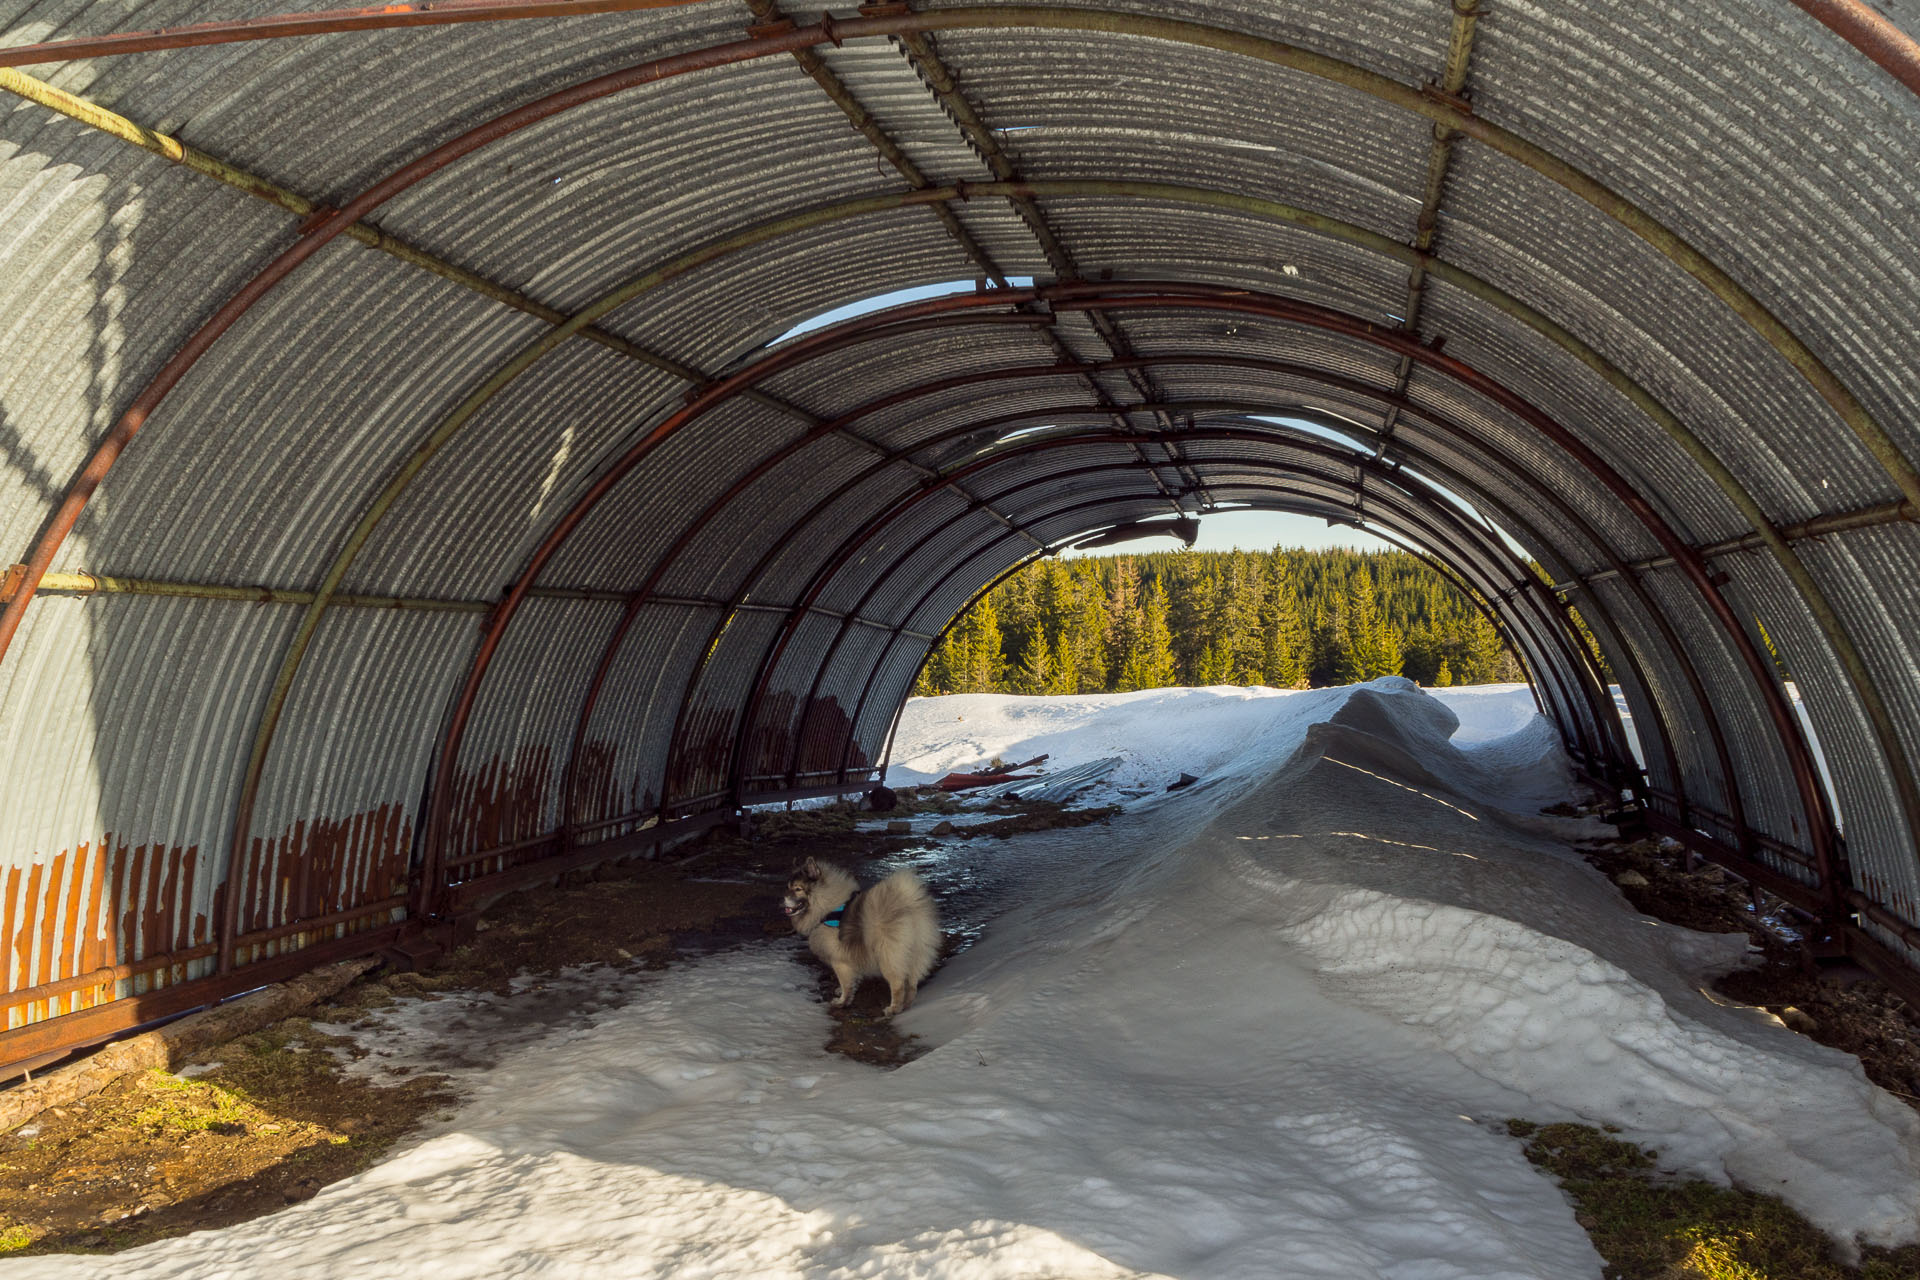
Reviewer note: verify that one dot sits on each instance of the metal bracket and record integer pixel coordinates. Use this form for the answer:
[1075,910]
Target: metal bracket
[1458,101]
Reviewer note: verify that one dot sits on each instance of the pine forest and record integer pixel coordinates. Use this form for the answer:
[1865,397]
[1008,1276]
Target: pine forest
[1284,618]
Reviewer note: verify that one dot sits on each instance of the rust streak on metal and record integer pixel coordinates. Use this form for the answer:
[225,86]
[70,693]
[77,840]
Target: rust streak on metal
[279,26]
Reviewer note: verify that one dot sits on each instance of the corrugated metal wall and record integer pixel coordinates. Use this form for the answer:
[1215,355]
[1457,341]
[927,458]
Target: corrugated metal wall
[422,604]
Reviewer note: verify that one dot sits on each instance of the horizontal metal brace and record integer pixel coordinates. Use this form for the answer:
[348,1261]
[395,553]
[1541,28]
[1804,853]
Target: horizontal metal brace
[1839,522]
[86,584]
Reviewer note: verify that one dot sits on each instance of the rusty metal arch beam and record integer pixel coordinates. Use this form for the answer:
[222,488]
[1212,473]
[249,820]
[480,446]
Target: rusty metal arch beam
[786,41]
[1148,295]
[1882,43]
[741,51]
[1851,20]
[1728,774]
[1480,542]
[1328,508]
[1464,439]
[282,26]
[1786,725]
[1441,111]
[1352,386]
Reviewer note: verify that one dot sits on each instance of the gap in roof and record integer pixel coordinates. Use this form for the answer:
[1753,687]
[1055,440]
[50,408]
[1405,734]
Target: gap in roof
[1237,527]
[881,301]
[1359,445]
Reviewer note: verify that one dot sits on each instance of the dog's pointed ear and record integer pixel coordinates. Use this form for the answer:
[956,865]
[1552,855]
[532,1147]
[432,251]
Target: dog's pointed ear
[810,869]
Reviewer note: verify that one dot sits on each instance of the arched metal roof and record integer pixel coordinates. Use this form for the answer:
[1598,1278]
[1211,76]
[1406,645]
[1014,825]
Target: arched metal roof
[413,494]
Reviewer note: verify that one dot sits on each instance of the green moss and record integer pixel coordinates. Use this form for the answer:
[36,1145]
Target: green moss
[192,1106]
[1651,1225]
[13,1239]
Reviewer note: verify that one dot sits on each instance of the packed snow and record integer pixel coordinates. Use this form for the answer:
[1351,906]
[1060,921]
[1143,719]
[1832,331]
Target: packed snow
[1267,1026]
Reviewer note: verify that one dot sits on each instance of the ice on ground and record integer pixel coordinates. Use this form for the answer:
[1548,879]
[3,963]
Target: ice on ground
[1266,1029]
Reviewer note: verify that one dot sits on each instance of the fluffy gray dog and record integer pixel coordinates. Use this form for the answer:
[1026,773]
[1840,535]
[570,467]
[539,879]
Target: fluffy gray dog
[891,929]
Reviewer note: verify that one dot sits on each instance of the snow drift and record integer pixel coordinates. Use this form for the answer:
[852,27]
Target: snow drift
[1266,1027]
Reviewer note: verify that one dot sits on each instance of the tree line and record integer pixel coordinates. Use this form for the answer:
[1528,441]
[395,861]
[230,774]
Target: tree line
[1284,618]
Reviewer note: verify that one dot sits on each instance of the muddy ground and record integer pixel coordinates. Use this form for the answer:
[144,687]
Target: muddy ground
[1838,1004]
[270,1119]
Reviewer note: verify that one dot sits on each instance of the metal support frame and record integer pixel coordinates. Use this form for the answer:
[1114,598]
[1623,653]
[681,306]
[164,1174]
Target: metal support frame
[1896,52]
[1866,518]
[117,439]
[1149,295]
[1879,40]
[1426,224]
[1539,490]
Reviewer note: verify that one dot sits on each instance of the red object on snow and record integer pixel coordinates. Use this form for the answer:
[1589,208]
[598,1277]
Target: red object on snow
[967,781]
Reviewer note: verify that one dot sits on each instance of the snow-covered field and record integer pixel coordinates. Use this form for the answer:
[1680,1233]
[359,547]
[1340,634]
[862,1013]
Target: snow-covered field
[1269,1026]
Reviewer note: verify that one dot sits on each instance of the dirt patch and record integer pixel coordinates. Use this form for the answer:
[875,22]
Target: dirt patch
[156,1155]
[270,1119]
[1836,1004]
[1652,1225]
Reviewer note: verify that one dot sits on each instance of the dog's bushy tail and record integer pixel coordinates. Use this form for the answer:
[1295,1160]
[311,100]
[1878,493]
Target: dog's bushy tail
[905,928]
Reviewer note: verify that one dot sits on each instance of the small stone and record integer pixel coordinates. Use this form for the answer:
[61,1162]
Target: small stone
[1799,1020]
[944,829]
[899,827]
[1630,880]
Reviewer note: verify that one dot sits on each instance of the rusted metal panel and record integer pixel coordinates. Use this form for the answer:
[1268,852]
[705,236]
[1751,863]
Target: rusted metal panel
[507,784]
[621,771]
[700,759]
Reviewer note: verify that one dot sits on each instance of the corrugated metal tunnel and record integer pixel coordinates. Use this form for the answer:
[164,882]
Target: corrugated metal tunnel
[413,490]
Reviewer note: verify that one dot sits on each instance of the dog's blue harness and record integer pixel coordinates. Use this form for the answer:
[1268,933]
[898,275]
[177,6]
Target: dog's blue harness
[834,918]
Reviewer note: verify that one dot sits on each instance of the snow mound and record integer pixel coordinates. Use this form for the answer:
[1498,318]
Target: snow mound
[1224,733]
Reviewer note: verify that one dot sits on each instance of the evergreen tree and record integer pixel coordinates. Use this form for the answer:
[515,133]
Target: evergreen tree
[1285,618]
[1035,672]
[1149,660]
[1444,676]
